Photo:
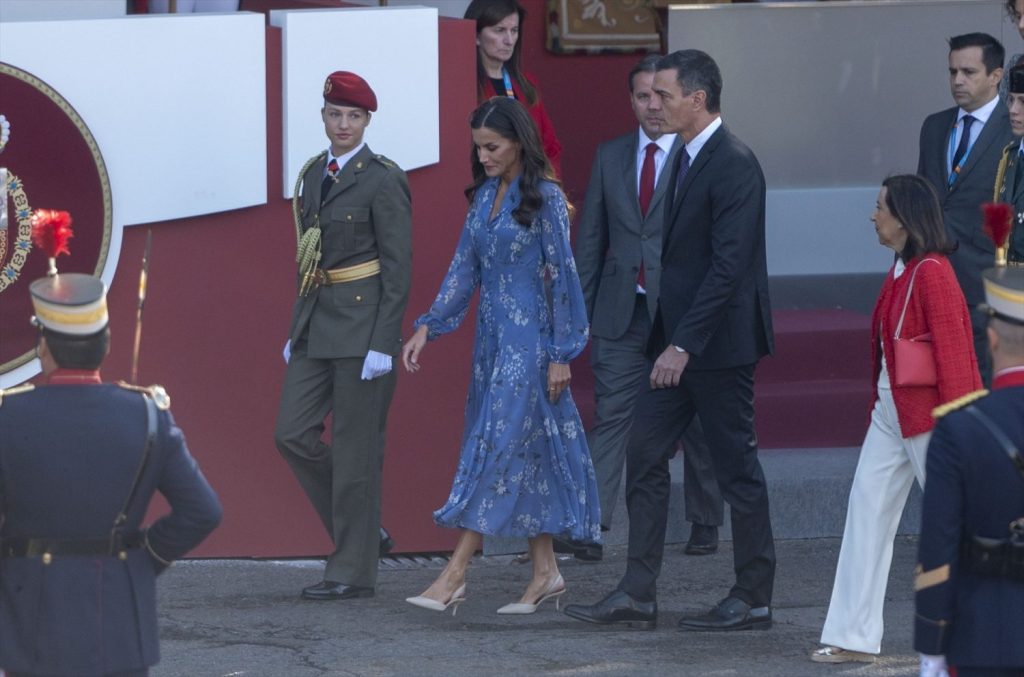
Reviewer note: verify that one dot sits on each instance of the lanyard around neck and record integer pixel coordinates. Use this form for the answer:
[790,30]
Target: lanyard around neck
[955,171]
[509,92]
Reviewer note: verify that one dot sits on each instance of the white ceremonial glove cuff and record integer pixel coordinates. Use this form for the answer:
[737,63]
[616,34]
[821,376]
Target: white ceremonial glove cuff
[376,364]
[933,666]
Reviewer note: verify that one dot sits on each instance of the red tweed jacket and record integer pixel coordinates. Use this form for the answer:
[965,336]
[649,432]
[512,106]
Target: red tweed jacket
[937,306]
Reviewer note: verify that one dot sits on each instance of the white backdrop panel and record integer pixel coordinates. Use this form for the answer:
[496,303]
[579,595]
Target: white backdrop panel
[393,48]
[177,105]
[32,10]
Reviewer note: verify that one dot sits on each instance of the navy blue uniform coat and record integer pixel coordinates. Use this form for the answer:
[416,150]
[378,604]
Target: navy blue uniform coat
[972,488]
[68,455]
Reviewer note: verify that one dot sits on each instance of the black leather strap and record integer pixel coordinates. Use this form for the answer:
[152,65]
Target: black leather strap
[997,432]
[37,547]
[151,429]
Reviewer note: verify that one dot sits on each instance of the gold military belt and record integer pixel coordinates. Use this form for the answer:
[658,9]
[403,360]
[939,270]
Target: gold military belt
[359,271]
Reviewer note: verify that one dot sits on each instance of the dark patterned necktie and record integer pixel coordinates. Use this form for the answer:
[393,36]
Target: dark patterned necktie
[965,142]
[684,167]
[329,179]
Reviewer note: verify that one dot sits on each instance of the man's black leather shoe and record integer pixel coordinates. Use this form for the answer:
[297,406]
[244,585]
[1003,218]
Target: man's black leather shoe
[335,590]
[617,608]
[731,613]
[703,540]
[386,542]
[585,552]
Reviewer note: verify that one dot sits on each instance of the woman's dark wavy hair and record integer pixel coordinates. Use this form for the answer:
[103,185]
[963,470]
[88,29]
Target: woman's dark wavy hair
[508,118]
[913,202]
[489,13]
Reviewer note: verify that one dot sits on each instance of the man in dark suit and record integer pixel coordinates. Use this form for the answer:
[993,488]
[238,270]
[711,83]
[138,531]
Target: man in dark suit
[79,462]
[962,166]
[354,223]
[618,250]
[713,323]
[970,576]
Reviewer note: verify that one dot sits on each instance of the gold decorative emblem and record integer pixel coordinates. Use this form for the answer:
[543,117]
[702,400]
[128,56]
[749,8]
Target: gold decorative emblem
[24,98]
[327,86]
[11,184]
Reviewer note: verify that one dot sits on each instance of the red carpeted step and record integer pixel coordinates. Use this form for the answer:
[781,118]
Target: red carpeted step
[800,414]
[818,344]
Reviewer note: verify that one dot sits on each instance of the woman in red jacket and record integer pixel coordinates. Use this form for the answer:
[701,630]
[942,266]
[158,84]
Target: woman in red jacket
[922,291]
[497,66]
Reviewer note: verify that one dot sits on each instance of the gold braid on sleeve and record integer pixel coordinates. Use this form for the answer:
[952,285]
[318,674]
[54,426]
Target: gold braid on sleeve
[307,253]
[1004,161]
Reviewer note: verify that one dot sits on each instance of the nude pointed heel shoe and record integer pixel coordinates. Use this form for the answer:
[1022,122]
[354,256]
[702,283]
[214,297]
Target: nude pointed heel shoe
[555,591]
[457,598]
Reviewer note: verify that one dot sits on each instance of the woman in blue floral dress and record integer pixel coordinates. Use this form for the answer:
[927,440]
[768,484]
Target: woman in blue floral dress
[524,468]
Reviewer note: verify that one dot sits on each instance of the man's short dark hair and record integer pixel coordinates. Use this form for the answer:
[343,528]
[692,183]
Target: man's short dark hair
[648,64]
[78,352]
[696,70]
[992,52]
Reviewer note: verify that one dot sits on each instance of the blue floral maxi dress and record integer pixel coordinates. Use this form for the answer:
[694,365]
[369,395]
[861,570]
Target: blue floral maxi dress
[524,468]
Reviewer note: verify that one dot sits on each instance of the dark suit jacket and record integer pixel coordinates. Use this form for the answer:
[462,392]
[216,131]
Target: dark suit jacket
[714,275]
[68,456]
[613,235]
[961,203]
[367,214]
[973,489]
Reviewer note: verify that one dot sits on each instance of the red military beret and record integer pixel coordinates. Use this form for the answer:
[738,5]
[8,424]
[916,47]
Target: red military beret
[343,88]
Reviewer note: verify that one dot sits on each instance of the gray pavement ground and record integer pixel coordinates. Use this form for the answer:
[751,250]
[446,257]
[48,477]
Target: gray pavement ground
[245,618]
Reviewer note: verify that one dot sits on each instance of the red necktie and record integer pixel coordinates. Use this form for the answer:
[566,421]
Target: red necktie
[647,178]
[332,173]
[646,192]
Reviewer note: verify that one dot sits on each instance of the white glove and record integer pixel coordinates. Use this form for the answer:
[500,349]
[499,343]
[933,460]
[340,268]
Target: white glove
[933,666]
[376,364]
[287,352]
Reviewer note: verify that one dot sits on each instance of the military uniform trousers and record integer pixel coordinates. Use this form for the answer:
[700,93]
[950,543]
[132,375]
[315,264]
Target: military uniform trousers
[885,473]
[621,371]
[342,479]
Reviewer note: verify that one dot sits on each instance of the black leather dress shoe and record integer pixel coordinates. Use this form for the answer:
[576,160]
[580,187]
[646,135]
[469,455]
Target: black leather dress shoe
[731,613]
[618,608]
[585,552]
[386,542]
[703,540]
[335,590]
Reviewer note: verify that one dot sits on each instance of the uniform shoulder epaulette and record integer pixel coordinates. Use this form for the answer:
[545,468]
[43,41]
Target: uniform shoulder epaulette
[385,161]
[16,390]
[156,393]
[953,405]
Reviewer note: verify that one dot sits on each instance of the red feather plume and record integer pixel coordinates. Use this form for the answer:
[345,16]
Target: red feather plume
[51,230]
[997,219]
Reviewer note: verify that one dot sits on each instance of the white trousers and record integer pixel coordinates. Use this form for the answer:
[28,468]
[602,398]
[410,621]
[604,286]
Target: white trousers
[885,473]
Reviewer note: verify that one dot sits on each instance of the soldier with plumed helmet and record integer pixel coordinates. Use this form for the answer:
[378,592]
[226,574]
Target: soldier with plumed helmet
[79,462]
[970,576]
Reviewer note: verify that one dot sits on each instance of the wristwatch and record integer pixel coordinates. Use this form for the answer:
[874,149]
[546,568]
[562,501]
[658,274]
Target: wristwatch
[678,349]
